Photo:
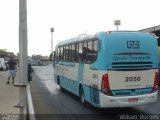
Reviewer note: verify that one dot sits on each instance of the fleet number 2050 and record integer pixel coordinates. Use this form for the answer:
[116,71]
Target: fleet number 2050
[131,79]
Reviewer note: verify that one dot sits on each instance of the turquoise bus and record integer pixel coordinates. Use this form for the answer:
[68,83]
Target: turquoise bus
[109,69]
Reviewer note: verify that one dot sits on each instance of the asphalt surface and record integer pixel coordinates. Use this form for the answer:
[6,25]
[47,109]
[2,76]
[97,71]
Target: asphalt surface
[51,103]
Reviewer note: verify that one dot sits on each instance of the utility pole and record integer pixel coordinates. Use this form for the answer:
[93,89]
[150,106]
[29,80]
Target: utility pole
[23,59]
[52,30]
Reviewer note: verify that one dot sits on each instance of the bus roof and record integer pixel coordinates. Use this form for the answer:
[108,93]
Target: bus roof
[83,37]
[76,39]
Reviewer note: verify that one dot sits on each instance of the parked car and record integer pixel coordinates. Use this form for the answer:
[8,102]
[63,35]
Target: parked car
[36,63]
[3,66]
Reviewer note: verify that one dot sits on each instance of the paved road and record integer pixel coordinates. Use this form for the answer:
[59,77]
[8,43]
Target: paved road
[52,103]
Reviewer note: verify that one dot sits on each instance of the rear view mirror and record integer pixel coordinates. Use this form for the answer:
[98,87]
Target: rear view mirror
[52,56]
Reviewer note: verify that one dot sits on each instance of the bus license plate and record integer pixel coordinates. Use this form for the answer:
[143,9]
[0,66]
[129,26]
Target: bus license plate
[133,100]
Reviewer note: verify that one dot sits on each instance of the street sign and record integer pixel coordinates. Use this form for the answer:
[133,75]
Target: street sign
[117,22]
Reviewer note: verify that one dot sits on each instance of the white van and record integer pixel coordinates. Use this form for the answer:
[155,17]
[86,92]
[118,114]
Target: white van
[2,65]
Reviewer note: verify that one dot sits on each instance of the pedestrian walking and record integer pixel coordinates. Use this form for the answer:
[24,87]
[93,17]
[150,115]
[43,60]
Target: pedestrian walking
[11,70]
[30,71]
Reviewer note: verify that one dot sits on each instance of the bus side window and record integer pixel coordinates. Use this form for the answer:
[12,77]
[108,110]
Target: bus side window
[77,53]
[60,53]
[73,53]
[63,53]
[95,50]
[57,54]
[80,52]
[89,52]
[85,50]
[69,52]
[66,53]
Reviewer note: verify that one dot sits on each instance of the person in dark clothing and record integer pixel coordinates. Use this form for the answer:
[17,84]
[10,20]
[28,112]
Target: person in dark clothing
[30,71]
[11,70]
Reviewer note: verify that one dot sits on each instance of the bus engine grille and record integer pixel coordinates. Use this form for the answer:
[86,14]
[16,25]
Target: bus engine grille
[131,65]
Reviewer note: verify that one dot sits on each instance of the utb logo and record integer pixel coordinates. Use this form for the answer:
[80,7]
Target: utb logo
[133,45]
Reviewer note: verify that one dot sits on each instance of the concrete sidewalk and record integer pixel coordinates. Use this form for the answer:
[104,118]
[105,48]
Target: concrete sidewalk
[9,95]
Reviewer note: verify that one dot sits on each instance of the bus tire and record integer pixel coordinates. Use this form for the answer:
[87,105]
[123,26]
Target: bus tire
[58,80]
[59,83]
[82,98]
[61,88]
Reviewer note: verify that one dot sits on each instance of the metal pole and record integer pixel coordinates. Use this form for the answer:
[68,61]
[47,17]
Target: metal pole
[23,60]
[52,30]
[117,23]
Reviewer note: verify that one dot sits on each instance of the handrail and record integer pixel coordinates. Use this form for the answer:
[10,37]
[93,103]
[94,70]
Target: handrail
[31,113]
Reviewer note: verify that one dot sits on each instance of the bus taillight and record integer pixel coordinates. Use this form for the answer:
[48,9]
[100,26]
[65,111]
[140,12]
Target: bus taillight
[151,33]
[105,85]
[108,32]
[155,87]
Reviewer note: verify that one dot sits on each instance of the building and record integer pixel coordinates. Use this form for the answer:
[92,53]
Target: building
[6,55]
[155,30]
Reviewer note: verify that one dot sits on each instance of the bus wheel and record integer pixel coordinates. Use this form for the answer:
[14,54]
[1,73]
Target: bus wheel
[82,99]
[59,83]
[61,88]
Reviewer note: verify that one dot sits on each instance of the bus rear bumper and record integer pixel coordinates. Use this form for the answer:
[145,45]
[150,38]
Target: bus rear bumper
[127,101]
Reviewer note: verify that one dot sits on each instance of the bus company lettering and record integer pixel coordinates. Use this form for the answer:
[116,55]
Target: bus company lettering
[130,58]
[133,44]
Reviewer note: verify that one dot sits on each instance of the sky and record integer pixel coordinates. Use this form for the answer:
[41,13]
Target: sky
[71,18]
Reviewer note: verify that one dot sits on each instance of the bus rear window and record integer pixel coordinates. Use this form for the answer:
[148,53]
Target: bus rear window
[90,50]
